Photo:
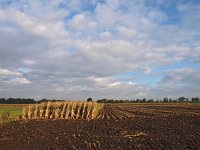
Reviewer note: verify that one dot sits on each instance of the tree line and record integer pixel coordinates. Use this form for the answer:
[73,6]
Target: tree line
[17,101]
[24,101]
[144,100]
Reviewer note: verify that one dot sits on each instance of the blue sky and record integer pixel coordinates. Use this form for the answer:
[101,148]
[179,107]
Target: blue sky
[127,49]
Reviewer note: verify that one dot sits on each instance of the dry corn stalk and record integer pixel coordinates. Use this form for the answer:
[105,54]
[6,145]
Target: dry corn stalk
[63,110]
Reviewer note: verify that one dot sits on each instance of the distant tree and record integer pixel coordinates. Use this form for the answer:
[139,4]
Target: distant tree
[16,101]
[116,101]
[150,101]
[121,101]
[165,99]
[182,99]
[144,100]
[103,100]
[43,100]
[170,100]
[138,100]
[111,101]
[195,100]
[99,101]
[132,101]
[2,101]
[89,99]
[126,101]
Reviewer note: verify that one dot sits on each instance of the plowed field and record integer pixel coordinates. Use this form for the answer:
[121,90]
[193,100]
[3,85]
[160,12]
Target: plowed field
[119,127]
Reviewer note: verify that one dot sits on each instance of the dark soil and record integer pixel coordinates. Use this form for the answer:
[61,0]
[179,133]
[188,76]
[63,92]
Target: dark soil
[121,127]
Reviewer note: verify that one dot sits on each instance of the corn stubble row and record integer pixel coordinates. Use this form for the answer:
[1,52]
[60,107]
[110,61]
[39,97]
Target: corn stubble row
[63,110]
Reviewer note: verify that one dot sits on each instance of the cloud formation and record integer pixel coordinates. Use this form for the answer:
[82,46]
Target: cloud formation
[99,48]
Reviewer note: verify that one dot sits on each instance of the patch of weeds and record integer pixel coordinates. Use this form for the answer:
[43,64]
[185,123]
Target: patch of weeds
[4,116]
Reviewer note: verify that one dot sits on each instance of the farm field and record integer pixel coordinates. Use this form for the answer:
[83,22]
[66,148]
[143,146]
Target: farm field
[119,126]
[15,110]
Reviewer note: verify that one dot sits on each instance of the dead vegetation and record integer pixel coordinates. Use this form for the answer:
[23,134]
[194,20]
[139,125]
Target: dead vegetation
[63,110]
[4,116]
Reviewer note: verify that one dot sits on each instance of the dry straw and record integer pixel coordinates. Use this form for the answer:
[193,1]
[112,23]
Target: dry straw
[63,110]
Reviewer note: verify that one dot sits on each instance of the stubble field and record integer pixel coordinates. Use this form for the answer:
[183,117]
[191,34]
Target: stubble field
[119,126]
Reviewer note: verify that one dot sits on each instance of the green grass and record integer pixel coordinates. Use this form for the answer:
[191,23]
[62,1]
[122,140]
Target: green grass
[14,110]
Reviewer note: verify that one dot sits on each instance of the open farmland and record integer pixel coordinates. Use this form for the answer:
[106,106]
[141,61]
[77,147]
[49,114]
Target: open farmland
[15,110]
[119,126]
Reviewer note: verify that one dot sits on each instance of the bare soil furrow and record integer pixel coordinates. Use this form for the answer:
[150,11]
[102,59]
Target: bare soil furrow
[119,126]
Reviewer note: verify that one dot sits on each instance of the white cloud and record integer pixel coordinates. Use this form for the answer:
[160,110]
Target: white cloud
[118,84]
[70,49]
[5,72]
[2,15]
[21,81]
[181,77]
[127,32]
[36,26]
[12,77]
[29,62]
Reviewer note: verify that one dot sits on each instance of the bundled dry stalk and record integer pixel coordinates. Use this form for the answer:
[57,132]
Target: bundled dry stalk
[63,113]
[97,110]
[43,108]
[37,112]
[63,110]
[31,110]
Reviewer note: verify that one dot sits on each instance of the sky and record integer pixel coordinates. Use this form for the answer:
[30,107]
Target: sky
[75,49]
